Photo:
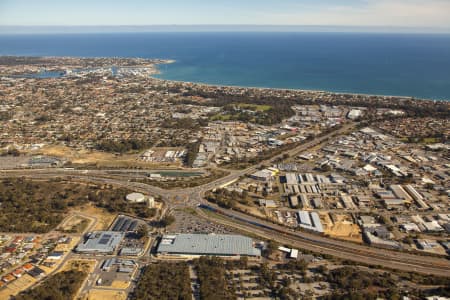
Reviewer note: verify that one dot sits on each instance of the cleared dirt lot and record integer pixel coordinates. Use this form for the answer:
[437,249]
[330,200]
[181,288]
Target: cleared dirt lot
[83,265]
[101,159]
[342,228]
[12,162]
[98,294]
[76,224]
[104,218]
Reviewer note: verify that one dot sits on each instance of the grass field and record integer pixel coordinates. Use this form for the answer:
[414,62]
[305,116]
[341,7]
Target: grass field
[221,117]
[229,116]
[429,140]
[255,107]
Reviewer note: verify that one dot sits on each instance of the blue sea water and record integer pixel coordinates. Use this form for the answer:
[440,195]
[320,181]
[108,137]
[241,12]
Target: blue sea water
[415,65]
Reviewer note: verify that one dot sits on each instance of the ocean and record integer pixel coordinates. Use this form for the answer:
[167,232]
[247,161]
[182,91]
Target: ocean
[416,65]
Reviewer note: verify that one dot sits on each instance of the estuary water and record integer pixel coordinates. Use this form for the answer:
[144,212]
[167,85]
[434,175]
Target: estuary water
[416,65]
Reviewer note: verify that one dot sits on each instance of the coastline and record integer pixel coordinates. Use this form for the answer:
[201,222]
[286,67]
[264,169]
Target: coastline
[163,62]
[260,88]
[382,65]
[157,62]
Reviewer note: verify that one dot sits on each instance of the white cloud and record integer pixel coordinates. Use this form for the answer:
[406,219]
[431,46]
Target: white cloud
[407,13]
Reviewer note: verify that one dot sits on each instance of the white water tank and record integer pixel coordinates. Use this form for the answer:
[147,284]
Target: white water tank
[136,198]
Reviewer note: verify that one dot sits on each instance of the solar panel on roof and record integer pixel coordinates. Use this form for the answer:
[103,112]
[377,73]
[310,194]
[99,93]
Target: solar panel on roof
[103,241]
[125,225]
[118,224]
[132,226]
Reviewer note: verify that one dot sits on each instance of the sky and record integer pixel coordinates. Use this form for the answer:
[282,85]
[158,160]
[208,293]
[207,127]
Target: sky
[434,14]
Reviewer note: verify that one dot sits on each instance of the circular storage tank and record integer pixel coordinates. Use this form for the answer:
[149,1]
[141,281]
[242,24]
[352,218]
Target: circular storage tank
[136,197]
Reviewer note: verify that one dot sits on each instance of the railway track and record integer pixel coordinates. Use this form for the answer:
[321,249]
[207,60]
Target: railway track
[377,257]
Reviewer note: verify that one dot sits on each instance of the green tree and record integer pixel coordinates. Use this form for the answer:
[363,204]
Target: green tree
[142,231]
[167,220]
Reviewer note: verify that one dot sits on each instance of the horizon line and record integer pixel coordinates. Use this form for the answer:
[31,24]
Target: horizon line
[47,29]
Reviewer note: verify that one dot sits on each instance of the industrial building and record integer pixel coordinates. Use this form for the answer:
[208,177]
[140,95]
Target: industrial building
[347,201]
[291,178]
[117,263]
[292,253]
[164,155]
[376,241]
[293,201]
[267,203]
[131,251]
[207,244]
[310,221]
[400,192]
[44,162]
[100,242]
[417,197]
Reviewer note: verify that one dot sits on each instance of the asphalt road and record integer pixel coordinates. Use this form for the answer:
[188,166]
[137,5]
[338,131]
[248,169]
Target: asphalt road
[338,248]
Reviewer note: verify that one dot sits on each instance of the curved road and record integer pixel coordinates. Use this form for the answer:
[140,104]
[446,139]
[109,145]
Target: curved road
[338,248]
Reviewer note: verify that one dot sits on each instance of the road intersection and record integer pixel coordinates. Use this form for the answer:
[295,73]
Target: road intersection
[195,196]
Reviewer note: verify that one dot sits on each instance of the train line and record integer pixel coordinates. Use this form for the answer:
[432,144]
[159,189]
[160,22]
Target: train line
[381,257]
[304,240]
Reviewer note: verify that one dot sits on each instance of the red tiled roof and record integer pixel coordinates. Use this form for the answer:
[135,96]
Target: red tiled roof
[27,267]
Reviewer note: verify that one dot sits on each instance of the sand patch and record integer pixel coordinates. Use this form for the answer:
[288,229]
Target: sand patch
[120,285]
[97,294]
[104,218]
[83,265]
[75,224]
[342,227]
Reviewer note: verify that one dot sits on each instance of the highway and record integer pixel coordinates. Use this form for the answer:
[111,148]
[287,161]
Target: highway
[303,240]
[195,193]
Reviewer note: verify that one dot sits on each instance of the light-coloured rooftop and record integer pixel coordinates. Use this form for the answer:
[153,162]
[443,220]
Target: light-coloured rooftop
[101,242]
[208,244]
